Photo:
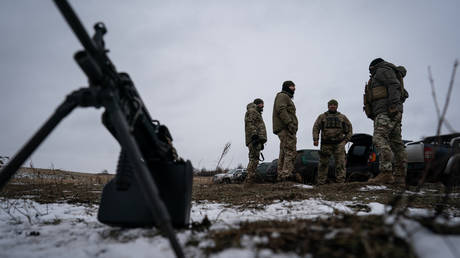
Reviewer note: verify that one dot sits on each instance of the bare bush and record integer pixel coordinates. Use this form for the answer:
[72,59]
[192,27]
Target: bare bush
[223,154]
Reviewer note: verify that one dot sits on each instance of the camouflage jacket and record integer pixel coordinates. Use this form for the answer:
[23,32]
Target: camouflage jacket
[254,124]
[386,92]
[334,128]
[283,112]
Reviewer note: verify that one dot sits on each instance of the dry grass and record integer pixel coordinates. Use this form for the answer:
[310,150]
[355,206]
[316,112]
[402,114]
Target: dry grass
[47,176]
[202,180]
[52,185]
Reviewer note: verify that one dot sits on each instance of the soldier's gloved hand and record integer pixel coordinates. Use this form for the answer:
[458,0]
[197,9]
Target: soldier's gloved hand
[315,143]
[292,128]
[261,146]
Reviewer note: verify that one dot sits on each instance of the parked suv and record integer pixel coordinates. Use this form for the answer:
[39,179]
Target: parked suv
[265,172]
[433,154]
[218,178]
[307,162]
[236,174]
[239,175]
[362,158]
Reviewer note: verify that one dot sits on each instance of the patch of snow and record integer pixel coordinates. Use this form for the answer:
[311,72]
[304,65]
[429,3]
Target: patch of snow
[376,209]
[304,186]
[414,193]
[427,244]
[373,188]
[284,210]
[30,229]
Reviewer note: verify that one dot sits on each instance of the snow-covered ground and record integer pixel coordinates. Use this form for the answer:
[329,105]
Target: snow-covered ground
[29,229]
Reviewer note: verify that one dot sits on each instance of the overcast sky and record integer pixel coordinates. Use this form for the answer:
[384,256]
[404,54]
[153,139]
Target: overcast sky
[197,64]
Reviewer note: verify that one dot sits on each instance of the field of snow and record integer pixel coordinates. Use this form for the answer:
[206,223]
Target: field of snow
[29,229]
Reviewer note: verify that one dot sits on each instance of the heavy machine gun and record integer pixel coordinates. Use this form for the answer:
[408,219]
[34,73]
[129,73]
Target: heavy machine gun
[152,186]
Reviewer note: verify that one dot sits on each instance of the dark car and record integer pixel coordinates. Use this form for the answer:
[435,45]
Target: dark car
[265,171]
[307,162]
[362,158]
[432,156]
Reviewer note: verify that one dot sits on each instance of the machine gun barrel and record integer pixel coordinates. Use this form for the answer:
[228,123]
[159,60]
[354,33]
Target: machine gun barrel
[95,50]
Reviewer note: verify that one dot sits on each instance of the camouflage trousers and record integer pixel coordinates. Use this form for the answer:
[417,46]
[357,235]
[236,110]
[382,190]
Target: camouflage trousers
[338,152]
[388,141]
[254,152]
[288,152]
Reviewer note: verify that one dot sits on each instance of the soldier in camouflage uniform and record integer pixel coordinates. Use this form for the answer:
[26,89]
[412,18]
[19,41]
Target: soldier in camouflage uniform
[256,135]
[336,131]
[285,125]
[384,97]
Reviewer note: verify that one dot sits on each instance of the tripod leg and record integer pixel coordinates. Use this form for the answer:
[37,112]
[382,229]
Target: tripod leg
[14,164]
[142,175]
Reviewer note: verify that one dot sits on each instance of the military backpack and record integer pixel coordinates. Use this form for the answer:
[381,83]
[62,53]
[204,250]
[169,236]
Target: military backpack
[376,93]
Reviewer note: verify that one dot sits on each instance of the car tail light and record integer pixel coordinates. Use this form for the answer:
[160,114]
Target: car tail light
[427,154]
[372,157]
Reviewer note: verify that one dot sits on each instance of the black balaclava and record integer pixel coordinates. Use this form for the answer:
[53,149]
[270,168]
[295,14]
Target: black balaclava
[286,85]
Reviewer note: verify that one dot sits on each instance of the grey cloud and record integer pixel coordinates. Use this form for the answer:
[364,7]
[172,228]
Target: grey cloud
[198,63]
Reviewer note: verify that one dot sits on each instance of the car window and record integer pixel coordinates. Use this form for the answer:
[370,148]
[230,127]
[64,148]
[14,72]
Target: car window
[359,150]
[231,171]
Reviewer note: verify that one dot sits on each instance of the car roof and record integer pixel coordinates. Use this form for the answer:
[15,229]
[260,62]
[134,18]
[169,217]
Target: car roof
[444,139]
[361,138]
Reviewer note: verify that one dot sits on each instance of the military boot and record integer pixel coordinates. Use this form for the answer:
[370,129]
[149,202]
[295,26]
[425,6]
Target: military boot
[385,177]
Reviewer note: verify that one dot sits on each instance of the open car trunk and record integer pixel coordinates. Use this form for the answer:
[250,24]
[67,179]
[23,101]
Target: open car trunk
[358,166]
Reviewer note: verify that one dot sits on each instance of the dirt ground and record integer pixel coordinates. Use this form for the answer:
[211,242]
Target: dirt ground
[351,233]
[258,195]
[337,236]
[47,186]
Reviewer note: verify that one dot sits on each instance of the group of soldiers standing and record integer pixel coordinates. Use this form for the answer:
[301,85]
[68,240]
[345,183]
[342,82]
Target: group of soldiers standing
[383,103]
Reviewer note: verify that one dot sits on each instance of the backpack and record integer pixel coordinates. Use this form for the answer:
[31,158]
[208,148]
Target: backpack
[404,93]
[368,96]
[367,100]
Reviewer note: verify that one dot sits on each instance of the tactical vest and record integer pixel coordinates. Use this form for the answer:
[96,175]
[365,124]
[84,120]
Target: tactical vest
[332,128]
